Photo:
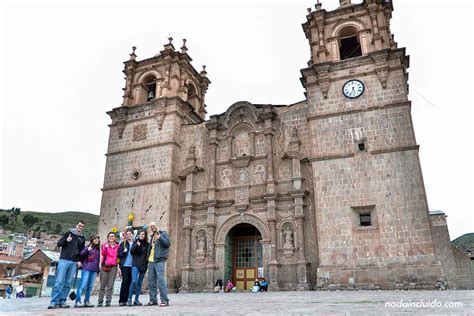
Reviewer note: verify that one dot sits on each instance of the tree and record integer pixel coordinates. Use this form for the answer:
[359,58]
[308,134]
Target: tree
[58,229]
[30,220]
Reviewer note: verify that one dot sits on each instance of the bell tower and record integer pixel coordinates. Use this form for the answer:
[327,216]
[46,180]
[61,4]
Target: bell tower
[370,204]
[167,74]
[161,95]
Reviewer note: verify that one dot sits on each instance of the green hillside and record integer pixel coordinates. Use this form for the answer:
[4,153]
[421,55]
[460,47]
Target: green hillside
[464,242]
[53,223]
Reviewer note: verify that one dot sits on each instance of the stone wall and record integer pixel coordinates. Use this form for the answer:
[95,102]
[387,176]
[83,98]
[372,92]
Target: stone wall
[458,268]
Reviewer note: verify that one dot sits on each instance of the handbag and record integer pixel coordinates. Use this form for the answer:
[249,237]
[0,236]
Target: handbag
[90,257]
[105,267]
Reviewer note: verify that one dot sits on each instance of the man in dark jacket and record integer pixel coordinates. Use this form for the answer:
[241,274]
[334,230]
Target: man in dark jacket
[71,243]
[157,256]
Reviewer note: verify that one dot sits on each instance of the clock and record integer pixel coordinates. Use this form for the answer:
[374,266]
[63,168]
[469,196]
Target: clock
[353,88]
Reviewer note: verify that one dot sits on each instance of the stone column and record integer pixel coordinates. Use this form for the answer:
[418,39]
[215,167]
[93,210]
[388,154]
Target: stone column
[211,263]
[302,272]
[186,270]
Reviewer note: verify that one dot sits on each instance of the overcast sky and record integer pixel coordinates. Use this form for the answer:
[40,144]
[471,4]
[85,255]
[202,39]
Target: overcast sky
[61,70]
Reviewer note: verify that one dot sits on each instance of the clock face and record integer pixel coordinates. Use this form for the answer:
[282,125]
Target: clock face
[353,88]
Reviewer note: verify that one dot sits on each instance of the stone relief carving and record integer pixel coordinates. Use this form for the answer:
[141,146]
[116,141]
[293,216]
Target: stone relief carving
[222,151]
[260,146]
[225,177]
[242,144]
[139,132]
[259,174]
[285,172]
[243,176]
[241,195]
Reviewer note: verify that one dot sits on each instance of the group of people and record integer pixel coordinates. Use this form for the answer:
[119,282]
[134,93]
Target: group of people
[259,286]
[19,291]
[130,259]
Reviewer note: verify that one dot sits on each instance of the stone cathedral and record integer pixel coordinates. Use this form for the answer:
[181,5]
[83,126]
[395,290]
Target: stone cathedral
[326,193]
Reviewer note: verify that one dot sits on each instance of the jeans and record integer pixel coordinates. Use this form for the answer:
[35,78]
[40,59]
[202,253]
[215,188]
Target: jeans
[125,286]
[64,275]
[136,285]
[156,272]
[9,295]
[87,282]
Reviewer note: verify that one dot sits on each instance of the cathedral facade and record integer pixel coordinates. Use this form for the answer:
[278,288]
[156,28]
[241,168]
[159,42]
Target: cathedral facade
[324,193]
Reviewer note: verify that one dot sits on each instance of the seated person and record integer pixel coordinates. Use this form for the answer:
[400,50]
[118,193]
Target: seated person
[264,285]
[229,286]
[256,286]
[219,285]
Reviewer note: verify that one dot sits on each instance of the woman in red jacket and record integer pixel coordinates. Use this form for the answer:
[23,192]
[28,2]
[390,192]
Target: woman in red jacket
[108,271]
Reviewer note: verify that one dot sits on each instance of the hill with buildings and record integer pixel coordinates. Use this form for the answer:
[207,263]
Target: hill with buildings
[18,221]
[464,242]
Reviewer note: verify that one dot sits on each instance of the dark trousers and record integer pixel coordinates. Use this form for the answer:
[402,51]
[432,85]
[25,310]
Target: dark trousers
[126,280]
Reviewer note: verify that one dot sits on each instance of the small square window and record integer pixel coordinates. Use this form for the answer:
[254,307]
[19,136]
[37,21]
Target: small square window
[365,220]
[361,146]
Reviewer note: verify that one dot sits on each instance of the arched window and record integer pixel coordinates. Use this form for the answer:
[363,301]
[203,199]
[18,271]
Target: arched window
[349,43]
[192,96]
[150,85]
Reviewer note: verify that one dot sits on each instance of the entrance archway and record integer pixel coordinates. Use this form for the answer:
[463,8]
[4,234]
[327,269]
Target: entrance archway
[243,256]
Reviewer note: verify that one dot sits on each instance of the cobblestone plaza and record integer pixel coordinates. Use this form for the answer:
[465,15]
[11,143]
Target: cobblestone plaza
[274,303]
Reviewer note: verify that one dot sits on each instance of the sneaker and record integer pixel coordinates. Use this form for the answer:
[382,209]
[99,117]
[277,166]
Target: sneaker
[122,304]
[129,303]
[52,306]
[162,304]
[78,304]
[107,304]
[137,303]
[151,303]
[99,304]
[63,305]
[87,304]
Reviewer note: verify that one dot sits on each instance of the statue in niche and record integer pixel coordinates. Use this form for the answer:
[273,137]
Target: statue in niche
[259,173]
[225,178]
[243,176]
[288,246]
[201,247]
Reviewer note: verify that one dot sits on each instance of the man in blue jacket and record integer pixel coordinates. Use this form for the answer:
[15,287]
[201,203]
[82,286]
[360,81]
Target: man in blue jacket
[157,256]
[71,244]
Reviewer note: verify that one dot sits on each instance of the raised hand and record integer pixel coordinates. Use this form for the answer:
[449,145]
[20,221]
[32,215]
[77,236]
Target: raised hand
[125,249]
[138,243]
[69,238]
[90,248]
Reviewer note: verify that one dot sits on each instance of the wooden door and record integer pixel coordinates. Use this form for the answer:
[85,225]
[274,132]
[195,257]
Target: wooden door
[245,262]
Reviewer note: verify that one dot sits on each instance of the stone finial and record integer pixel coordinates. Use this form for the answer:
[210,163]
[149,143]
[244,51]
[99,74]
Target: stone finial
[203,71]
[184,49]
[318,5]
[169,45]
[309,10]
[133,56]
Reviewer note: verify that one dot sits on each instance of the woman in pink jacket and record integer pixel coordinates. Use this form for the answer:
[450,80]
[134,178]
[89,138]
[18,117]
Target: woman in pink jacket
[108,270]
